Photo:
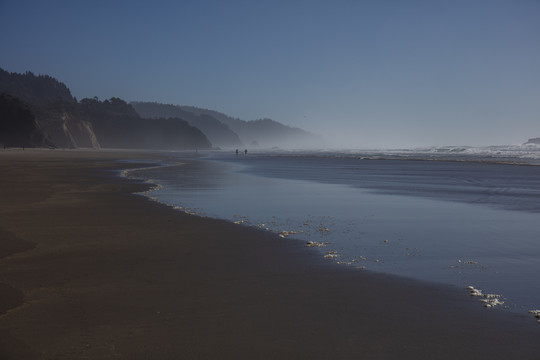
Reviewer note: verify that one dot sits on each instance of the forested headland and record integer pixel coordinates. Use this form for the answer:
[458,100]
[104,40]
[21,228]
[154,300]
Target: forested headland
[40,111]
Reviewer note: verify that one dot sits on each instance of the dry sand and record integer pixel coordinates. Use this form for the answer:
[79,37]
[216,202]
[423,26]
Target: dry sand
[91,271]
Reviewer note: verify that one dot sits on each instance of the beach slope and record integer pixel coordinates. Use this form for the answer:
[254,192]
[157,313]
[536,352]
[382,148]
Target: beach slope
[89,270]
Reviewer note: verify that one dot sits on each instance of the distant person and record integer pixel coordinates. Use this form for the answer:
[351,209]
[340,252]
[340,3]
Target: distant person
[236,151]
[245,152]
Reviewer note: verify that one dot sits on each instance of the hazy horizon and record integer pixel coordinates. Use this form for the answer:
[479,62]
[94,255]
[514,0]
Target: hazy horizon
[363,74]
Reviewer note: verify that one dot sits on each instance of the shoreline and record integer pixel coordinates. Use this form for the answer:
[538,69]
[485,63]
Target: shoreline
[352,238]
[115,274]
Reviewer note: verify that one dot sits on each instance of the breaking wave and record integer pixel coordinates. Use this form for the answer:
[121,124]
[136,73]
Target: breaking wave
[515,154]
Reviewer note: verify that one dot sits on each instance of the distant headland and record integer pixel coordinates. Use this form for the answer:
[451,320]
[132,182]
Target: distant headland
[533,141]
[40,111]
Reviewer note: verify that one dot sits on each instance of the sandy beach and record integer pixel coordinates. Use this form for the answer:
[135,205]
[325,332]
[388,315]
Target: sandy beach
[90,270]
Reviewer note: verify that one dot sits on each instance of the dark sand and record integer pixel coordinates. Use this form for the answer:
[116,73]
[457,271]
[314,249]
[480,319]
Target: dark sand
[91,271]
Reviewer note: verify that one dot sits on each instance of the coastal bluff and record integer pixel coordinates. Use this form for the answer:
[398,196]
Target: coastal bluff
[40,111]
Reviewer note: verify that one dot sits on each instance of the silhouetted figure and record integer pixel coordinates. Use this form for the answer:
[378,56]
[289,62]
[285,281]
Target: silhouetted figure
[245,152]
[236,151]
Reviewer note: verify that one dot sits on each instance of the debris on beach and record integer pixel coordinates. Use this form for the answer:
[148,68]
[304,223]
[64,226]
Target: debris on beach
[489,300]
[467,262]
[492,302]
[242,219]
[263,226]
[323,229]
[331,255]
[474,292]
[461,264]
[316,244]
[536,314]
[360,258]
[193,212]
[284,233]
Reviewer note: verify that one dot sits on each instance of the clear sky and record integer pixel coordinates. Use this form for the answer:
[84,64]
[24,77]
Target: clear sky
[365,73]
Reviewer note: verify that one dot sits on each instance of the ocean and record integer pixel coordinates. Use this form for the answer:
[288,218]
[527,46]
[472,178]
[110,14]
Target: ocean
[462,216]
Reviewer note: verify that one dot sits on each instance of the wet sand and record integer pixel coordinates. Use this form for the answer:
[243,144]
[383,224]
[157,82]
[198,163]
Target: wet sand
[91,271]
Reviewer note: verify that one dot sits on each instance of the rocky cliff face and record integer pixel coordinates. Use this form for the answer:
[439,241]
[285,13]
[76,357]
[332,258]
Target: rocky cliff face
[66,127]
[77,133]
[54,109]
[53,117]
[117,125]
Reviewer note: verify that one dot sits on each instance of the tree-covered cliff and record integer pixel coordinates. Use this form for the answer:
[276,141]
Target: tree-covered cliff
[59,120]
[262,132]
[55,109]
[227,131]
[42,111]
[117,125]
[218,133]
[18,125]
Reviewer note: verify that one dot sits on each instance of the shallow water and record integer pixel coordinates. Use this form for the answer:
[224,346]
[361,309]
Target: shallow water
[462,223]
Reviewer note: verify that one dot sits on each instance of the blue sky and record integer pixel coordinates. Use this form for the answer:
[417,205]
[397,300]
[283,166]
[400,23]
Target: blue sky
[372,73]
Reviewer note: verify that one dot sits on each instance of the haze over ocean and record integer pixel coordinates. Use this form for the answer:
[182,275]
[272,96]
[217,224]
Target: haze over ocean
[364,74]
